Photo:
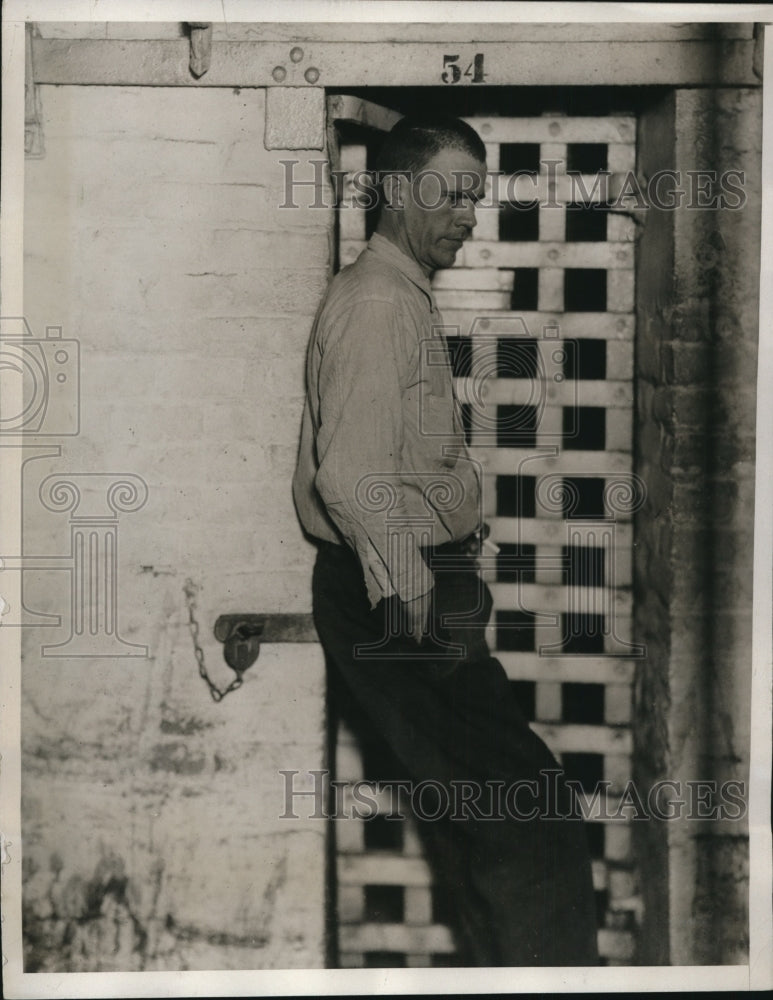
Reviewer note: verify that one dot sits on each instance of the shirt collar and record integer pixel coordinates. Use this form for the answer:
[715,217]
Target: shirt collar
[387,250]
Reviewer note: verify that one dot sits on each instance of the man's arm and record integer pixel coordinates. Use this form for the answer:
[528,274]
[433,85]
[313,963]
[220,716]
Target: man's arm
[359,446]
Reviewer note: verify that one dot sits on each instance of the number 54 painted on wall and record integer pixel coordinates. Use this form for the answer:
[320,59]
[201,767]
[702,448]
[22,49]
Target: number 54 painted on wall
[452,71]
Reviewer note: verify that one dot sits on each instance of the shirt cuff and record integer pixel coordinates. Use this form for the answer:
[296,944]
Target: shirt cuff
[410,575]
[405,573]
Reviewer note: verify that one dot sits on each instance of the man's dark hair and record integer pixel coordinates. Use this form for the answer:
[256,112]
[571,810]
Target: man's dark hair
[413,141]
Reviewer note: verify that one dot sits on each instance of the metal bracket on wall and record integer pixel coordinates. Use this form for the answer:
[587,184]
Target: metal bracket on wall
[242,634]
[636,55]
[33,125]
[201,47]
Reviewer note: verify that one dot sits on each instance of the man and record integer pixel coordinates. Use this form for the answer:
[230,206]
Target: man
[387,488]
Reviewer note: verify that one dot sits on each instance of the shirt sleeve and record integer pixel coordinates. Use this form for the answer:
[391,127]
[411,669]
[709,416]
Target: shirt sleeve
[359,448]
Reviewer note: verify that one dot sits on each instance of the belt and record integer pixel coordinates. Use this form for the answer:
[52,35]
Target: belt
[470,545]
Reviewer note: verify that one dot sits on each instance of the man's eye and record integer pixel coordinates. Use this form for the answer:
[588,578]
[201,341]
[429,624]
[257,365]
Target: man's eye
[459,200]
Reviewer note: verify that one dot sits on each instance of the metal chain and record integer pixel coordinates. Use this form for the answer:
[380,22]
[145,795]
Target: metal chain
[190,599]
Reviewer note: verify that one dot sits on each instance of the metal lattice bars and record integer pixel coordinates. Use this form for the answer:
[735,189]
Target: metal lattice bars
[570,570]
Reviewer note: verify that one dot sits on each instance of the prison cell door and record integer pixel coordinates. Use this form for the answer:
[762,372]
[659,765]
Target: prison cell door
[539,318]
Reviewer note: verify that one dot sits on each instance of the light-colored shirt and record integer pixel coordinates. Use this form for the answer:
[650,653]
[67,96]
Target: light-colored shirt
[383,465]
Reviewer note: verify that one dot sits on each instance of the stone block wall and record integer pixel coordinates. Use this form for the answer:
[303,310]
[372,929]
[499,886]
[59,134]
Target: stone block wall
[151,830]
[697,308]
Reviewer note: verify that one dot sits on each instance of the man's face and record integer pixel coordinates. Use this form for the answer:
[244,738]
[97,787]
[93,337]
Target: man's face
[439,207]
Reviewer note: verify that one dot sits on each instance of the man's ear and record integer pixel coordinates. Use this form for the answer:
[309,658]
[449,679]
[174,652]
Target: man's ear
[394,191]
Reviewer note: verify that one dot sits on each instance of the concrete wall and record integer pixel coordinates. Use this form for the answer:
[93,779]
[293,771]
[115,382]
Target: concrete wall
[151,836]
[697,301]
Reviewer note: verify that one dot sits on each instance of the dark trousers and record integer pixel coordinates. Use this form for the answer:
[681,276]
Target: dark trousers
[514,865]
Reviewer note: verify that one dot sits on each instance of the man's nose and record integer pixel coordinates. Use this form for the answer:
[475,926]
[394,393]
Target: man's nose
[466,217]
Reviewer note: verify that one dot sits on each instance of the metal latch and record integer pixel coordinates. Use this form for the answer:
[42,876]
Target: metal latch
[240,635]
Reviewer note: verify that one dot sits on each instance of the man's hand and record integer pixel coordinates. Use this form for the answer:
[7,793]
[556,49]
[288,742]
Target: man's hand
[417,615]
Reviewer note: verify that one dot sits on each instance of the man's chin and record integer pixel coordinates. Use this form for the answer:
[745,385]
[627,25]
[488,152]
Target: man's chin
[446,257]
